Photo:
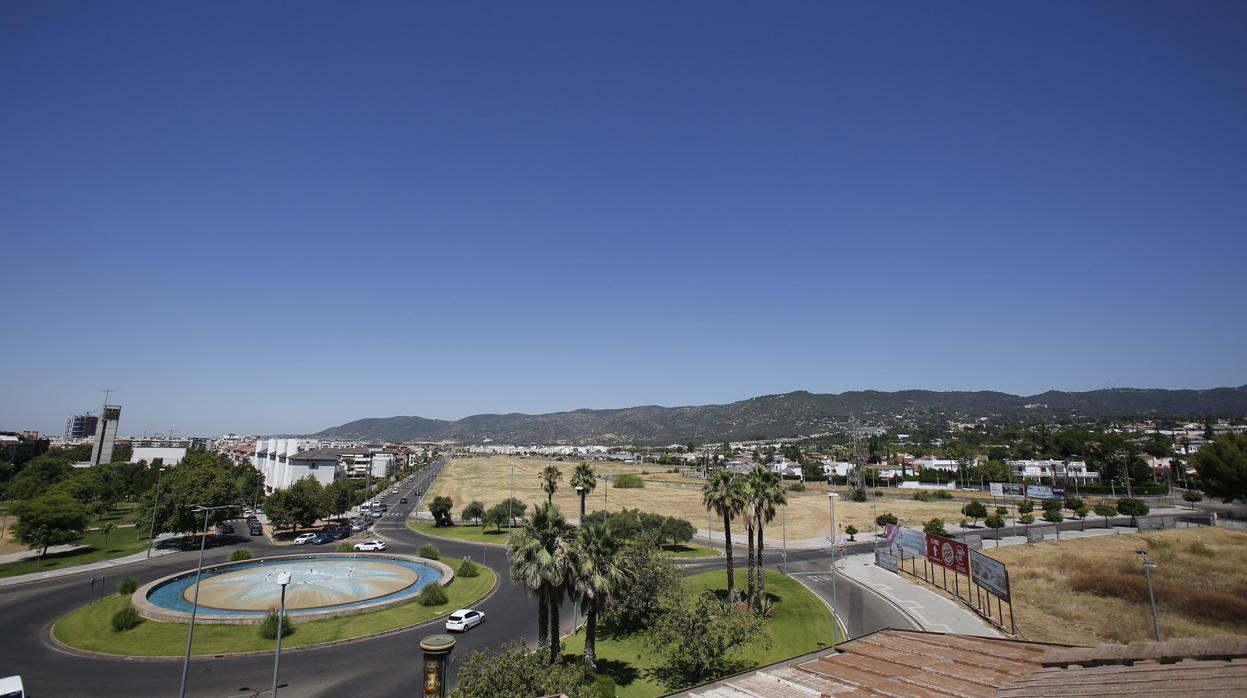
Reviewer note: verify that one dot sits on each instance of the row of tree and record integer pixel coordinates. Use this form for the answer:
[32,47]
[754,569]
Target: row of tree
[754,499]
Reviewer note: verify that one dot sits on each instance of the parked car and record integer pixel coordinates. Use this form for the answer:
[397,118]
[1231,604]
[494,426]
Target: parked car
[257,529]
[464,619]
[227,528]
[357,527]
[11,687]
[304,538]
[322,538]
[370,546]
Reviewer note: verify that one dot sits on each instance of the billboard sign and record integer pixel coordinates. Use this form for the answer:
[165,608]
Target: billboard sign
[990,574]
[1044,492]
[1006,489]
[948,553]
[907,539]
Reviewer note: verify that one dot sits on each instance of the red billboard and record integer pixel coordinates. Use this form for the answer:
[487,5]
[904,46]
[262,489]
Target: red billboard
[948,553]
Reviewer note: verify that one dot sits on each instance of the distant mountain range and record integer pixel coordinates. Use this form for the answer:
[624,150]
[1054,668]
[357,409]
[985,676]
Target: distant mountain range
[789,414]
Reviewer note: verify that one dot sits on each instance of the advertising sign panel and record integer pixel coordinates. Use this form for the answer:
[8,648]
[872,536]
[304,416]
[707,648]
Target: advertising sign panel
[1006,489]
[949,553]
[990,574]
[1044,492]
[907,539]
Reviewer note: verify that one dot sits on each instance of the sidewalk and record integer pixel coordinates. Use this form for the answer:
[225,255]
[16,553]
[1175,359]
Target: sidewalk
[930,610]
[90,567]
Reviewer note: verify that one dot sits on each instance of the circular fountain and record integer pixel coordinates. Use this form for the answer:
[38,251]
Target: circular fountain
[321,586]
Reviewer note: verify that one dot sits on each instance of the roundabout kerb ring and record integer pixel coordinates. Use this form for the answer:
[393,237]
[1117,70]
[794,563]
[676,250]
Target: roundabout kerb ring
[330,585]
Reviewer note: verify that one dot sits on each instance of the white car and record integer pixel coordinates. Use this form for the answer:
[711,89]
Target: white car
[463,620]
[370,545]
[304,539]
[11,687]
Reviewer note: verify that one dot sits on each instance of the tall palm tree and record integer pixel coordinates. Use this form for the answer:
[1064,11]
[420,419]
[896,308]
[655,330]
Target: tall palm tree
[725,496]
[541,559]
[550,481]
[586,480]
[767,493]
[600,571]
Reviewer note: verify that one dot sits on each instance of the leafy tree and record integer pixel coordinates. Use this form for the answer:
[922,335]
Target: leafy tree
[1026,520]
[851,531]
[107,529]
[724,494]
[473,511]
[495,516]
[550,481]
[440,509]
[278,509]
[308,502]
[1026,506]
[676,530]
[585,480]
[1106,509]
[1192,496]
[975,510]
[886,518]
[695,636]
[995,522]
[1134,508]
[637,603]
[1052,505]
[1072,503]
[340,497]
[200,479]
[514,509]
[52,519]
[1081,513]
[514,670]
[934,527]
[1054,517]
[1222,466]
[628,481]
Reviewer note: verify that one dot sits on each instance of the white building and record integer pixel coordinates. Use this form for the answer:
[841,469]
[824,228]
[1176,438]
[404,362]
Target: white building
[1039,469]
[933,463]
[168,455]
[283,462]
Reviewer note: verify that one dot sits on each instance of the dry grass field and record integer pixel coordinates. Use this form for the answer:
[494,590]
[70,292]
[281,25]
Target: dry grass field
[1092,590]
[488,479]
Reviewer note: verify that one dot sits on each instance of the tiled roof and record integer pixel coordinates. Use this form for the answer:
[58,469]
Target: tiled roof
[1188,667]
[893,663]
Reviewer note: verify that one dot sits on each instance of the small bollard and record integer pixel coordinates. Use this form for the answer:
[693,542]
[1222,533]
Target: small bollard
[437,649]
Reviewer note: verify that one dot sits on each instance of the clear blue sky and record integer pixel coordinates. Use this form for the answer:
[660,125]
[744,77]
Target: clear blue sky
[268,217]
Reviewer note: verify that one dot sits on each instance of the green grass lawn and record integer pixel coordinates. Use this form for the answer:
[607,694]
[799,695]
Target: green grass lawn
[466,532]
[121,542]
[89,627]
[688,550]
[801,624]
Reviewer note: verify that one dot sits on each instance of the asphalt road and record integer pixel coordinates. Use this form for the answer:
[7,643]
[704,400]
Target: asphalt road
[381,666]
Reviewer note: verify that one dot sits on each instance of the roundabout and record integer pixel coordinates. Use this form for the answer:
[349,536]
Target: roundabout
[321,586]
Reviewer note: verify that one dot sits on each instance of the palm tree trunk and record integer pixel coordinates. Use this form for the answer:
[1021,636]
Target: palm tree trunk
[591,637]
[749,530]
[554,626]
[727,550]
[543,616]
[582,508]
[761,567]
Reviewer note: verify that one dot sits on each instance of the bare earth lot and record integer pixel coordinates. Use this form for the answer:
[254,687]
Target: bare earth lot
[1092,590]
[488,479]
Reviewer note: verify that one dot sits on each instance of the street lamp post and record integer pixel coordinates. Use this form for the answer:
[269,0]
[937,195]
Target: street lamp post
[283,578]
[190,634]
[511,500]
[831,500]
[151,534]
[1148,566]
[580,494]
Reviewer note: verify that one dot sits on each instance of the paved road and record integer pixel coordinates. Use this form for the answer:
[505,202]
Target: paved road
[384,666]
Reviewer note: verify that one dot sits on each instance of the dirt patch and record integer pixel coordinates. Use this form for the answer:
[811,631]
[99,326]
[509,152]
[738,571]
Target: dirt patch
[1091,590]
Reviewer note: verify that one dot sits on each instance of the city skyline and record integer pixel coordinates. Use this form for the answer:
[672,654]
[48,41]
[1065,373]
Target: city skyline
[290,220]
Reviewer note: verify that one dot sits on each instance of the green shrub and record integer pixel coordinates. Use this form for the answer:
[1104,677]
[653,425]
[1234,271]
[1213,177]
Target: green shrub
[268,629]
[126,618]
[127,586]
[429,552]
[923,497]
[1198,548]
[796,487]
[432,595]
[943,494]
[467,568]
[344,547]
[240,554]
[628,481]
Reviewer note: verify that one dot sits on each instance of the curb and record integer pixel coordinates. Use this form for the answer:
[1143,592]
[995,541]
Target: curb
[56,644]
[21,580]
[840,626]
[866,587]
